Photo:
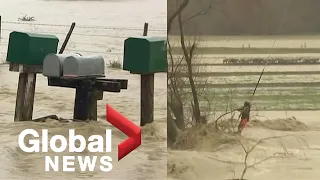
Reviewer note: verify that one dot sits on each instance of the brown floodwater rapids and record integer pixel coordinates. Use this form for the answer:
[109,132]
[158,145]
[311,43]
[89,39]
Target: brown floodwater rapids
[203,154]
[222,157]
[146,162]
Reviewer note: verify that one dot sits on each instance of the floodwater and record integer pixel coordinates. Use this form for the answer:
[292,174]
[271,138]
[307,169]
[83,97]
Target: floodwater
[262,41]
[289,41]
[225,160]
[206,155]
[101,26]
[149,160]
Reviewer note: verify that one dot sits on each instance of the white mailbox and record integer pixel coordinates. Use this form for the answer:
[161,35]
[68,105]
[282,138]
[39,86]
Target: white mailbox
[53,64]
[82,66]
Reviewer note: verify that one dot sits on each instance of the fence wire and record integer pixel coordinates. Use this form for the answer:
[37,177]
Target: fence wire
[103,40]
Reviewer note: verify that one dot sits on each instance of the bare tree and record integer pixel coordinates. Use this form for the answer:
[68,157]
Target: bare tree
[183,92]
[175,83]
[248,151]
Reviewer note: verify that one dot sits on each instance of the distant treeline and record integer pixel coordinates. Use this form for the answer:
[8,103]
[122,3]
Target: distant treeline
[250,17]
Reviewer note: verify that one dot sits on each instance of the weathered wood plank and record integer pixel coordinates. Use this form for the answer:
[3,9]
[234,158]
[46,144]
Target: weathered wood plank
[25,97]
[82,102]
[25,68]
[93,107]
[147,99]
[123,82]
[103,85]
[146,93]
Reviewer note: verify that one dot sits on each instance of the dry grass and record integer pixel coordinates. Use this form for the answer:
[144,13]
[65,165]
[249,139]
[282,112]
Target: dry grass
[26,18]
[115,64]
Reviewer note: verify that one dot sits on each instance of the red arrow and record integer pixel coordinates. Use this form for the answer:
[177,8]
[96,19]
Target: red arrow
[126,126]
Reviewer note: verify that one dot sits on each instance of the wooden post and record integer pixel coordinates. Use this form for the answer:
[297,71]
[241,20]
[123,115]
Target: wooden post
[27,86]
[146,93]
[93,112]
[85,107]
[30,92]
[145,29]
[88,91]
[25,97]
[18,115]
[82,101]
[63,47]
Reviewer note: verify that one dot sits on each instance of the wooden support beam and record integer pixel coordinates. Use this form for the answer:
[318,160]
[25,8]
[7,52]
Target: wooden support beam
[147,99]
[85,107]
[25,97]
[93,107]
[146,93]
[88,92]
[109,85]
[27,85]
[25,91]
[123,82]
[66,40]
[25,68]
[82,102]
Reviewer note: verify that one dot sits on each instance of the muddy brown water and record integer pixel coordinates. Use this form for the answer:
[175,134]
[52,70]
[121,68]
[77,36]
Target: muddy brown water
[288,41]
[211,160]
[206,162]
[149,160]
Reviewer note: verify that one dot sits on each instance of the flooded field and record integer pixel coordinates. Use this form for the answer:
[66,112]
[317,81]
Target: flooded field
[290,41]
[287,112]
[101,28]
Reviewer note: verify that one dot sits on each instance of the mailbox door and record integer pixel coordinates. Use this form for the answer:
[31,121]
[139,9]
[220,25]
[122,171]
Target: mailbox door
[136,55]
[17,47]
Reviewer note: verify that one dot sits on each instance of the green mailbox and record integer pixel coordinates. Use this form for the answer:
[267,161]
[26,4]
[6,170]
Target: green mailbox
[145,55]
[29,48]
